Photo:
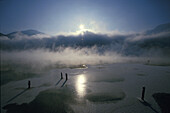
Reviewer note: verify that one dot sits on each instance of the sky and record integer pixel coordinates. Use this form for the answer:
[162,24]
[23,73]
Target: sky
[55,16]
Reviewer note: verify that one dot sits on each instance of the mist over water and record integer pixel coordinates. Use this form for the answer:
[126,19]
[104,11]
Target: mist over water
[67,56]
[86,48]
[72,57]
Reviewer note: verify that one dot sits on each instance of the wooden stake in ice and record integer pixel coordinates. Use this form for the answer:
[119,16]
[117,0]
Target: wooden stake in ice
[61,75]
[66,77]
[29,84]
[143,93]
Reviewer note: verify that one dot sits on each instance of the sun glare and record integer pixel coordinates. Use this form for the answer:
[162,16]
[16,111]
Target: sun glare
[83,29]
[81,26]
[80,85]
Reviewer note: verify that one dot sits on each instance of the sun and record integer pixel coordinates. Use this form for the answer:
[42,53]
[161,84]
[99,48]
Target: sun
[81,26]
[83,29]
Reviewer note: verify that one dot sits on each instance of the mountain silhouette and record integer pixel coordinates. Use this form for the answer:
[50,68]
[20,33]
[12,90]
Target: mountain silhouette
[159,29]
[25,32]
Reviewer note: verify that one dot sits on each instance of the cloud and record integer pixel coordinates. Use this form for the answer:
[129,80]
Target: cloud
[115,41]
[144,36]
[87,48]
[4,38]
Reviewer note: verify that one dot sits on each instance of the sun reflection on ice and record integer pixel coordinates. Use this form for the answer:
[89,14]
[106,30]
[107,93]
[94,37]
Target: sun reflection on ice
[80,85]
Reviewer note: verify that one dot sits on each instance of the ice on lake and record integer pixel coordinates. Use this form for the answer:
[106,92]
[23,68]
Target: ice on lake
[109,88]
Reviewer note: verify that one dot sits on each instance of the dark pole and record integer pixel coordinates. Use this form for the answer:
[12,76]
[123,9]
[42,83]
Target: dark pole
[29,84]
[66,77]
[143,93]
[61,75]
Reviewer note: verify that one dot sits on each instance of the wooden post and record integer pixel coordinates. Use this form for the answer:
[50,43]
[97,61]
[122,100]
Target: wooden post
[143,93]
[61,75]
[66,77]
[29,84]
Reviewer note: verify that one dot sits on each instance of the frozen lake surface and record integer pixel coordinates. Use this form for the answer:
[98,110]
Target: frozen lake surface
[109,88]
